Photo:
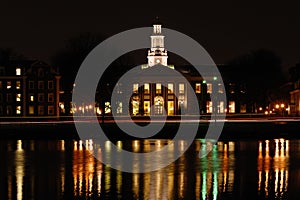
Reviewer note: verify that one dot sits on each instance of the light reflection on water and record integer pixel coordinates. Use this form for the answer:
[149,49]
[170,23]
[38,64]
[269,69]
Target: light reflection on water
[233,169]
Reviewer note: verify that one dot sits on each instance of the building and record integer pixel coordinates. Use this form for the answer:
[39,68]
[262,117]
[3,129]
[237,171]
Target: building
[29,88]
[168,95]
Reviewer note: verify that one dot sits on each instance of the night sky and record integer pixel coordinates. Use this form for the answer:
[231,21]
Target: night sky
[226,29]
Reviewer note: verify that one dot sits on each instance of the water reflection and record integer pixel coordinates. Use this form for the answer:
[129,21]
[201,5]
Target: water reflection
[233,169]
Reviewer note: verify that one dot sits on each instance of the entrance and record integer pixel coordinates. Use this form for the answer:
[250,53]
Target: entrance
[158,105]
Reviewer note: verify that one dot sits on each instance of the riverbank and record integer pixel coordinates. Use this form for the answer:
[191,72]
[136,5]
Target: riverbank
[233,129]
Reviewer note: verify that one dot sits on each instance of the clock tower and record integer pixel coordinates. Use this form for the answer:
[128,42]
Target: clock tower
[157,54]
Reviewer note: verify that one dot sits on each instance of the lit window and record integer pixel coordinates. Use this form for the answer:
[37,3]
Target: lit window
[50,97]
[50,85]
[41,110]
[41,84]
[18,71]
[41,97]
[18,97]
[107,109]
[31,85]
[119,88]
[146,88]
[231,107]
[18,110]
[209,88]
[18,85]
[209,106]
[31,110]
[119,107]
[50,110]
[221,107]
[135,88]
[198,88]
[31,97]
[158,88]
[181,88]
[8,84]
[170,88]
[220,88]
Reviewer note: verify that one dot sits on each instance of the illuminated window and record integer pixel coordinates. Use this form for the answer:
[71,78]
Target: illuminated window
[41,97]
[41,110]
[158,88]
[107,108]
[181,88]
[50,110]
[18,110]
[135,88]
[209,107]
[18,71]
[119,108]
[8,85]
[31,97]
[170,88]
[221,107]
[198,88]
[147,88]
[119,88]
[41,84]
[209,88]
[18,97]
[146,107]
[50,85]
[50,97]
[31,110]
[231,107]
[18,85]
[220,88]
[31,85]
[170,107]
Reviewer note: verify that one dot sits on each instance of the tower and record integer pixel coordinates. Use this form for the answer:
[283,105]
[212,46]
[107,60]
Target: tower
[157,54]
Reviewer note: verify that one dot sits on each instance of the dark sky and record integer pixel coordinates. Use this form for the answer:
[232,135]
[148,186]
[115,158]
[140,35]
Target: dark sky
[225,28]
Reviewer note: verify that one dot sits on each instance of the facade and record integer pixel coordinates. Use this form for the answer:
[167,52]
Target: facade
[169,96]
[28,89]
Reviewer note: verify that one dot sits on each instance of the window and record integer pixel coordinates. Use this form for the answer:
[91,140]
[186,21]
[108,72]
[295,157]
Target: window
[1,110]
[135,88]
[41,85]
[50,85]
[170,88]
[41,110]
[107,109]
[119,88]
[18,71]
[146,88]
[221,107]
[31,110]
[231,107]
[8,110]
[181,88]
[158,88]
[0,85]
[209,88]
[220,88]
[31,97]
[1,98]
[18,85]
[31,85]
[8,84]
[8,97]
[50,97]
[50,110]
[41,72]
[18,110]
[209,106]
[18,97]
[2,71]
[119,107]
[146,107]
[41,97]
[198,88]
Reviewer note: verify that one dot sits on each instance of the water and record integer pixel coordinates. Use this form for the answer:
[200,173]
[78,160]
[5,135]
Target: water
[65,169]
